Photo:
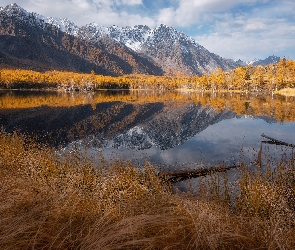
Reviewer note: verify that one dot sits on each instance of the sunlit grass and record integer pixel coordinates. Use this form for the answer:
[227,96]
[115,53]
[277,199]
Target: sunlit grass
[49,201]
[286,92]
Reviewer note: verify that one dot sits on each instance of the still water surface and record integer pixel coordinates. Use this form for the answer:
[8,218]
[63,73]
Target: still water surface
[184,129]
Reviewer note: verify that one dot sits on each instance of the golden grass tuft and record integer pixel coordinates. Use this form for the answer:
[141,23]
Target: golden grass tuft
[286,91]
[50,201]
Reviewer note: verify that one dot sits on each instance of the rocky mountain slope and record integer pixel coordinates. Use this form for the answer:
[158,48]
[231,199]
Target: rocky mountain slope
[29,40]
[172,49]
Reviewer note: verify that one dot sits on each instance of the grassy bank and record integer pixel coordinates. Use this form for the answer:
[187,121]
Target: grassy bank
[71,202]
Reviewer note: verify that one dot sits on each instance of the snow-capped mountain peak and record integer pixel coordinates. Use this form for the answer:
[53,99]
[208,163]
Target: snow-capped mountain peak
[253,61]
[263,62]
[171,48]
[63,24]
[165,47]
[32,18]
[13,9]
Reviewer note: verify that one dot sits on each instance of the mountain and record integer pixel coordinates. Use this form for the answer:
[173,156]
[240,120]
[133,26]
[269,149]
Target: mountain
[241,63]
[172,49]
[266,61]
[262,62]
[29,40]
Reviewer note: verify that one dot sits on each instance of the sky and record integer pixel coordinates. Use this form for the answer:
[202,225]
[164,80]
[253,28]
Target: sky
[234,29]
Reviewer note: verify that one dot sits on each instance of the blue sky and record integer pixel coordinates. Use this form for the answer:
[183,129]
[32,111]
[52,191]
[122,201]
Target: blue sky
[236,29]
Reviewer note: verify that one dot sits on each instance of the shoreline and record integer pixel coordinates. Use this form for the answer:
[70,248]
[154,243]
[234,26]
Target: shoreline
[285,91]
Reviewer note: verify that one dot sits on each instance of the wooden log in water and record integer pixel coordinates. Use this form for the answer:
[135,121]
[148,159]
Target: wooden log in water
[278,142]
[177,176]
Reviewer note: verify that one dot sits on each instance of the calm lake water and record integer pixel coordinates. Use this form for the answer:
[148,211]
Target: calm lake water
[183,129]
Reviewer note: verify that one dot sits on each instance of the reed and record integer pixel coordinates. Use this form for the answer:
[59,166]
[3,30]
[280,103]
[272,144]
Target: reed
[54,201]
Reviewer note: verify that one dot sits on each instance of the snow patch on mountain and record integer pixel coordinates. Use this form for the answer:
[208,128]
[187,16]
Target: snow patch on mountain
[63,24]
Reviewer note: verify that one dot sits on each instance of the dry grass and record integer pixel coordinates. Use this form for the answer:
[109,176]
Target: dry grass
[286,92]
[69,202]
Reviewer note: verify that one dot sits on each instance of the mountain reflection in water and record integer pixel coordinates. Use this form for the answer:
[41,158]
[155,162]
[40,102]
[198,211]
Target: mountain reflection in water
[193,128]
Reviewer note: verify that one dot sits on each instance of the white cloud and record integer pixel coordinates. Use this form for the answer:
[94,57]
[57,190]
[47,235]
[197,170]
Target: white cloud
[81,12]
[166,16]
[131,2]
[247,39]
[255,26]
[191,12]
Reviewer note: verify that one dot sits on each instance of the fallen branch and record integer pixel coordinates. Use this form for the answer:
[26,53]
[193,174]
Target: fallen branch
[174,177]
[277,142]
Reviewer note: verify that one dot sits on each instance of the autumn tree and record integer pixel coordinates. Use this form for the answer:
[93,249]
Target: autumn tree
[281,73]
[239,78]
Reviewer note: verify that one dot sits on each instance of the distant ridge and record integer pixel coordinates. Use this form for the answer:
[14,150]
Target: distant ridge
[266,61]
[262,62]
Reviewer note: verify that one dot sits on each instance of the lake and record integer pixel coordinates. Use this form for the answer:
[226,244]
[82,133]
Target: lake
[182,129]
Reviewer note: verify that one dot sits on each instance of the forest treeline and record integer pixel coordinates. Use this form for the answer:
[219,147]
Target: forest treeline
[281,108]
[249,78]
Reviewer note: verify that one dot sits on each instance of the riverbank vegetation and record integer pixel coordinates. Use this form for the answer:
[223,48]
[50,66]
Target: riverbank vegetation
[68,201]
[272,77]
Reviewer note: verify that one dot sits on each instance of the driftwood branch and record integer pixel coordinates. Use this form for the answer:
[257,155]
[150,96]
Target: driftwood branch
[178,176]
[277,142]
